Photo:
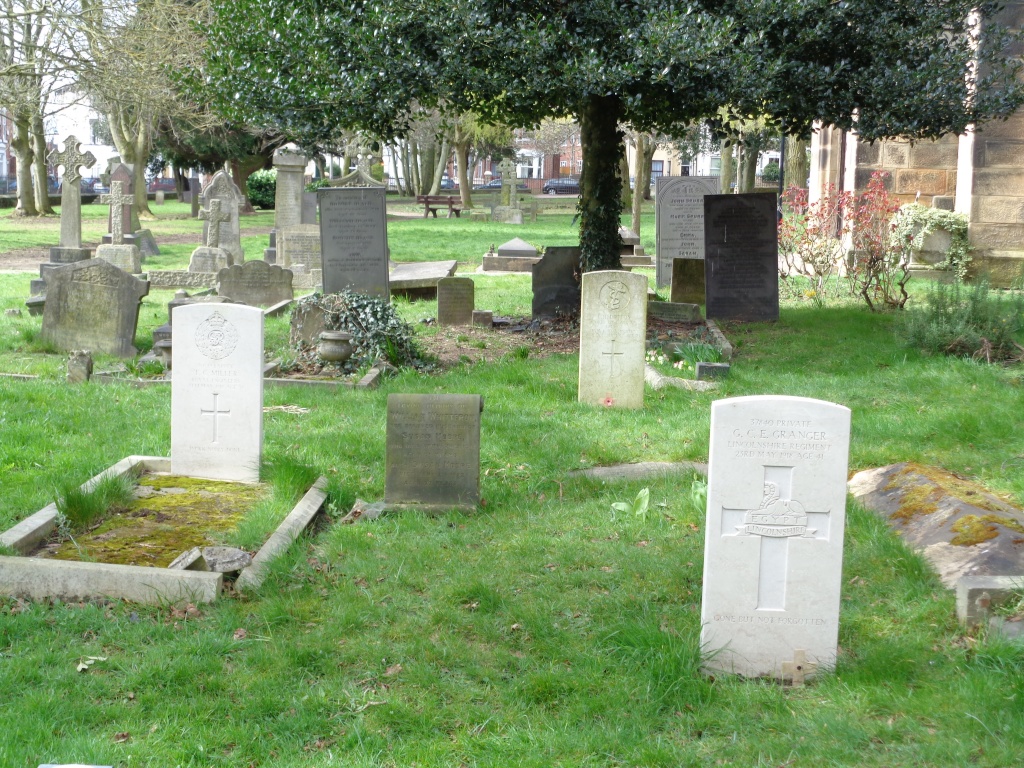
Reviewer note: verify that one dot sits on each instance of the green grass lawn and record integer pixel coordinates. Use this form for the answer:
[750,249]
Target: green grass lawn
[542,630]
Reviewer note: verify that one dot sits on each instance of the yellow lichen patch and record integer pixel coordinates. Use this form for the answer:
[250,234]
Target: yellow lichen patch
[963,489]
[974,529]
[919,500]
[171,515]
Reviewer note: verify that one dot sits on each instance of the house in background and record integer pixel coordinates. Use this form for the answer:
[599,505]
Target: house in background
[73,114]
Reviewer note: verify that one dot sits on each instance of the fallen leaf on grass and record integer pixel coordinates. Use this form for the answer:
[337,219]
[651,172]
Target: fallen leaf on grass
[121,737]
[83,666]
[393,670]
[240,634]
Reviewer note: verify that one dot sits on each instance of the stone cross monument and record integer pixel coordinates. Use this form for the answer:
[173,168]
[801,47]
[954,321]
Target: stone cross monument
[214,217]
[70,248]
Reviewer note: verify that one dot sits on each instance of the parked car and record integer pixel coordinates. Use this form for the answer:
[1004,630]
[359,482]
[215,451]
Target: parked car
[448,183]
[495,185]
[161,184]
[568,185]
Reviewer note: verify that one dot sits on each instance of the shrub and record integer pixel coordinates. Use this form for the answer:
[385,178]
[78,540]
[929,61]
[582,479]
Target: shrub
[770,173]
[316,184]
[880,266]
[966,322]
[810,243]
[262,187]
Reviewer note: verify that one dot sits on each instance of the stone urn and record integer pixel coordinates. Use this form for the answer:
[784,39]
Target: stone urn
[335,346]
[162,349]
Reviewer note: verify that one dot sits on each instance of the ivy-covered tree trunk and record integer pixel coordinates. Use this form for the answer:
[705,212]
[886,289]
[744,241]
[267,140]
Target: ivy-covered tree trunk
[21,145]
[39,175]
[600,187]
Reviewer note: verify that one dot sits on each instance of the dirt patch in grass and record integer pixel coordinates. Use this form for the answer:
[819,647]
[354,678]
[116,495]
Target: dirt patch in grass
[523,337]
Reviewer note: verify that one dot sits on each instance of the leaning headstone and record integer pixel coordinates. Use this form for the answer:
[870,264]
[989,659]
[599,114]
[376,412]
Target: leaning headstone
[291,169]
[354,240]
[433,452]
[556,282]
[742,257]
[222,189]
[72,158]
[217,392]
[613,332]
[455,301]
[298,248]
[92,305]
[255,283]
[679,220]
[118,251]
[773,550]
[688,281]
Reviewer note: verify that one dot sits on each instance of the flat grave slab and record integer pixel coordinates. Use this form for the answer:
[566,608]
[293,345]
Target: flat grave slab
[419,278]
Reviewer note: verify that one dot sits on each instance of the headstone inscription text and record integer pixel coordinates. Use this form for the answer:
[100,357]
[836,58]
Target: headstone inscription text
[433,451]
[742,257]
[679,220]
[774,533]
[354,240]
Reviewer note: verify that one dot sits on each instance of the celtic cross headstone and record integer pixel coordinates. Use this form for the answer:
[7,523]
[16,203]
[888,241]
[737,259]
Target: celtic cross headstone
[72,158]
[117,201]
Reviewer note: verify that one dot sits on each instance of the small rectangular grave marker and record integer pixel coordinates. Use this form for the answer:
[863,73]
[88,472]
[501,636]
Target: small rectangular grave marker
[773,547]
[354,240]
[255,283]
[688,281]
[742,264]
[217,392]
[556,282]
[613,329]
[433,452]
[455,298]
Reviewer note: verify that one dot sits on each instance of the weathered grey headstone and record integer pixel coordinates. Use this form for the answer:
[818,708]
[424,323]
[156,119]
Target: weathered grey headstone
[308,321]
[209,260]
[255,283]
[556,282]
[483,318]
[72,158]
[123,176]
[124,256]
[679,220]
[742,257]
[688,281]
[674,312]
[222,189]
[120,202]
[298,248]
[773,550]
[508,211]
[354,240]
[79,366]
[159,197]
[217,392]
[455,301]
[291,180]
[195,184]
[613,331]
[308,215]
[92,305]
[433,452]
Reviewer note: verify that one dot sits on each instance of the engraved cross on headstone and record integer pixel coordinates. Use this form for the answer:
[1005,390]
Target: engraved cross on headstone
[117,200]
[777,519]
[214,413]
[613,362]
[71,158]
[214,218]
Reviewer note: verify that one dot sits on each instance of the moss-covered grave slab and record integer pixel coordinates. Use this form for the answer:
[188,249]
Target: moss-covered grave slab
[170,514]
[962,528]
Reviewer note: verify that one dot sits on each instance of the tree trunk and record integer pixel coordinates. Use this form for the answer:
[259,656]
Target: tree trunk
[241,170]
[798,167]
[748,166]
[40,177]
[600,202]
[462,142]
[21,145]
[439,167]
[727,166]
[413,169]
[133,145]
[627,192]
[645,147]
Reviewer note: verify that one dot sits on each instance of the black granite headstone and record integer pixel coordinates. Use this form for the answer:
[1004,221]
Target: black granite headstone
[741,257]
[556,282]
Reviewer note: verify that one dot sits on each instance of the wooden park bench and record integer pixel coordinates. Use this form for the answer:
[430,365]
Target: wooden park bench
[434,203]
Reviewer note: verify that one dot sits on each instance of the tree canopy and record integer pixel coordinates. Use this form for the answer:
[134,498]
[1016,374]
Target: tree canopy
[886,67]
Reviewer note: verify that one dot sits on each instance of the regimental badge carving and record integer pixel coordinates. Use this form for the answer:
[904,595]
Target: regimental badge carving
[615,295]
[216,337]
[776,517]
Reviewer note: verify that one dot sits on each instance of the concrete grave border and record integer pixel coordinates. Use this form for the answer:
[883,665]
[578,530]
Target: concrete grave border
[39,578]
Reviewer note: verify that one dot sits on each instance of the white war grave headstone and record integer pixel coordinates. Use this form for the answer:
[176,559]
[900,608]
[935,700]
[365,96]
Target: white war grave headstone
[613,331]
[354,240]
[122,255]
[217,392]
[222,188]
[679,220]
[70,248]
[210,257]
[773,549]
